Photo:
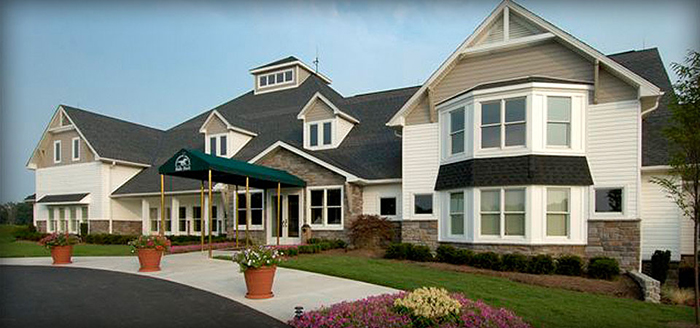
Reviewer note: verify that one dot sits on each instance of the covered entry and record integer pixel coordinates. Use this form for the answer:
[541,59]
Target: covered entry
[194,164]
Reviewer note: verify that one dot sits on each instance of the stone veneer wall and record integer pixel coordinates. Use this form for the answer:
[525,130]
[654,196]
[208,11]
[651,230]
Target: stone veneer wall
[126,227]
[420,232]
[553,250]
[619,239]
[316,175]
[41,226]
[99,226]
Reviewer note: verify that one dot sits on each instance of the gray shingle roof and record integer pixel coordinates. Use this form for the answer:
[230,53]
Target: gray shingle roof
[64,198]
[278,62]
[648,64]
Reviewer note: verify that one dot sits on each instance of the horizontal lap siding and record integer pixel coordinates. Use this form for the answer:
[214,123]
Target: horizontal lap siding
[613,149]
[319,111]
[420,164]
[661,223]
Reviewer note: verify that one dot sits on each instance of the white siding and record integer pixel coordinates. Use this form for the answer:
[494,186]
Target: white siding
[613,152]
[73,179]
[126,209]
[371,195]
[421,157]
[342,129]
[661,221]
[686,236]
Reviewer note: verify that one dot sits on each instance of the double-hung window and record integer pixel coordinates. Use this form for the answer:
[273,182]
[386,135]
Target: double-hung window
[502,212]
[73,219]
[197,218]
[75,149]
[457,213]
[182,219]
[256,209]
[457,131]
[168,219]
[558,212]
[52,221]
[63,225]
[153,215]
[503,123]
[57,151]
[559,121]
[320,134]
[326,206]
[218,145]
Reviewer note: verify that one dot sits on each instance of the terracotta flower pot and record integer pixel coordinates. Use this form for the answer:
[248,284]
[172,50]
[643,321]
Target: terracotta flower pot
[149,259]
[259,282]
[62,254]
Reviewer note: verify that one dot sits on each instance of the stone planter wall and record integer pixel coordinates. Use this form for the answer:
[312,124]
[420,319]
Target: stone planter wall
[619,239]
[651,289]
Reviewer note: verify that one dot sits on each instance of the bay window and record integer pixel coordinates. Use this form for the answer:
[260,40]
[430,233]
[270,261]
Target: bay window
[503,123]
[457,213]
[326,206]
[52,220]
[558,212]
[457,131]
[73,219]
[502,212]
[559,121]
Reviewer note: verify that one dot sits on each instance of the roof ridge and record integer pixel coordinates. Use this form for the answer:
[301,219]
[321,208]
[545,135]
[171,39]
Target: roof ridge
[111,117]
[383,91]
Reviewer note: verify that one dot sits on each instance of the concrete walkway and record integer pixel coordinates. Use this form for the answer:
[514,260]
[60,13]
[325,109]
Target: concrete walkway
[292,287]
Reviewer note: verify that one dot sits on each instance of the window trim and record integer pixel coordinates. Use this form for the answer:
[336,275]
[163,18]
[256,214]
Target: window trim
[622,213]
[568,213]
[320,132]
[413,205]
[325,225]
[547,121]
[217,141]
[502,124]
[396,205]
[502,214]
[75,148]
[238,209]
[59,152]
[274,73]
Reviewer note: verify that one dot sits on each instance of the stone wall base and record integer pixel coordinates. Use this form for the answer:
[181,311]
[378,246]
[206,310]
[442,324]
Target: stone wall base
[98,226]
[259,237]
[619,239]
[41,226]
[553,250]
[420,232]
[126,227]
[330,234]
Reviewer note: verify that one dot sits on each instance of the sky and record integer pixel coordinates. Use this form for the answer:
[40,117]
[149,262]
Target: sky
[160,63]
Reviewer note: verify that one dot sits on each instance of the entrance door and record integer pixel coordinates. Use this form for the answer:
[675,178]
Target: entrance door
[290,220]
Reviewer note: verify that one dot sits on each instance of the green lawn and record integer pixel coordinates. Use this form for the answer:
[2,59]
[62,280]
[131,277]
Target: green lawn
[541,306]
[11,248]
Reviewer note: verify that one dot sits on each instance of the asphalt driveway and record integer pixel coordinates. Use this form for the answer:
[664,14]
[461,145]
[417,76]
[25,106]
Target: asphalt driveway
[34,296]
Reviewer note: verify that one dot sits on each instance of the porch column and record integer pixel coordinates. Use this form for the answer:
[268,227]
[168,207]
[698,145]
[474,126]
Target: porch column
[145,220]
[174,216]
[161,231]
[235,213]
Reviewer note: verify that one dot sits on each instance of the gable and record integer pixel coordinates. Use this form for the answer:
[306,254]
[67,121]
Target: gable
[44,154]
[215,126]
[319,111]
[312,173]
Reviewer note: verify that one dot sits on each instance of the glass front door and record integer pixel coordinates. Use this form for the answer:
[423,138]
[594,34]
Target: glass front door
[288,225]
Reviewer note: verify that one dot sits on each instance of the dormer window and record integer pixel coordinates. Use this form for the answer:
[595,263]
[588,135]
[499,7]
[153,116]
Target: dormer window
[320,133]
[325,125]
[218,145]
[276,78]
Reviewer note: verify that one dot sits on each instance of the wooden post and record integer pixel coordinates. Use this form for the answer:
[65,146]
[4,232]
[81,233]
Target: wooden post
[247,210]
[162,205]
[235,210]
[279,229]
[201,211]
[209,211]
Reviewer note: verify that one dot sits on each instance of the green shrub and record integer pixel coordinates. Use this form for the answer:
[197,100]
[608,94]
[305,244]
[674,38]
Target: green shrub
[83,229]
[601,267]
[541,264]
[420,253]
[398,251]
[487,260]
[306,249]
[27,232]
[291,251]
[660,262]
[324,245]
[339,243]
[312,241]
[370,231]
[514,262]
[569,265]
[446,254]
[686,277]
[464,256]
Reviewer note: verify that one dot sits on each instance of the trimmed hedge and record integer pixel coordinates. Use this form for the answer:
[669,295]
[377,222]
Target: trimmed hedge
[569,265]
[407,251]
[28,232]
[487,260]
[420,253]
[514,262]
[601,267]
[660,263]
[686,277]
[332,243]
[541,264]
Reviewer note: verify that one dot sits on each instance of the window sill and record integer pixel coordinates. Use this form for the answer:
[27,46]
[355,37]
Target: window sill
[326,227]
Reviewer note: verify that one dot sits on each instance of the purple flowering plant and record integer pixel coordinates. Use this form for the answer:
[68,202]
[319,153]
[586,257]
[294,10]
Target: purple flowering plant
[380,311]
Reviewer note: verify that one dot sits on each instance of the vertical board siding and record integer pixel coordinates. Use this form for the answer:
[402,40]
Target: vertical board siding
[548,59]
[661,221]
[421,159]
[613,149]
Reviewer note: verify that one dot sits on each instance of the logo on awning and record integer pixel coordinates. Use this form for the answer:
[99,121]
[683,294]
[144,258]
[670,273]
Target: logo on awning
[182,163]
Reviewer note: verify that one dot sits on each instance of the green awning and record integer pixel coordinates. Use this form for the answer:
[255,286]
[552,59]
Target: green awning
[194,164]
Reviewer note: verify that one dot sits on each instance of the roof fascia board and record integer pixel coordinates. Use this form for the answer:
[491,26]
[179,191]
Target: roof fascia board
[155,193]
[646,88]
[395,120]
[281,144]
[379,181]
[115,161]
[507,45]
[62,129]
[296,62]
[229,126]
[336,110]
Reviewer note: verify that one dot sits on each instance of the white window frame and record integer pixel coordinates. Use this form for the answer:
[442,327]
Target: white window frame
[502,214]
[182,219]
[450,133]
[567,213]
[73,222]
[267,83]
[621,214]
[51,219]
[58,153]
[241,193]
[503,124]
[151,219]
[217,141]
[320,136]
[75,147]
[325,225]
[194,219]
[450,213]
[413,205]
[547,121]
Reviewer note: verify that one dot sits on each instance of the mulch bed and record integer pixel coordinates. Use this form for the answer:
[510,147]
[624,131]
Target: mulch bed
[623,286]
